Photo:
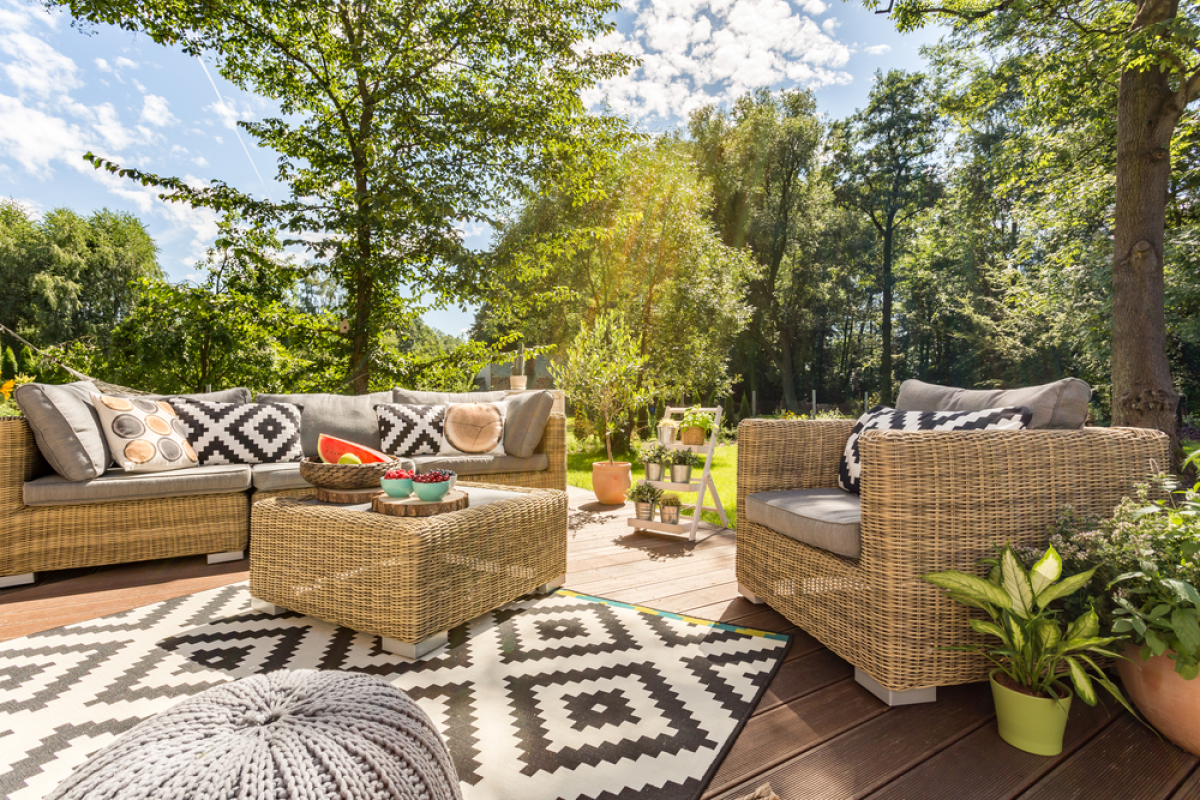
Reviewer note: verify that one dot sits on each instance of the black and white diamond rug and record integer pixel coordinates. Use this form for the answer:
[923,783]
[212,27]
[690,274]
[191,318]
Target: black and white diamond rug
[565,696]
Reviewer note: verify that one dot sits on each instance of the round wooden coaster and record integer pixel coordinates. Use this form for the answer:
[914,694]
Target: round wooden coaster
[348,496]
[416,507]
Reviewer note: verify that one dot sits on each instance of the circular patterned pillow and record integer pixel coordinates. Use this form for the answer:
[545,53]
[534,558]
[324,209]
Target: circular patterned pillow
[144,435]
[474,428]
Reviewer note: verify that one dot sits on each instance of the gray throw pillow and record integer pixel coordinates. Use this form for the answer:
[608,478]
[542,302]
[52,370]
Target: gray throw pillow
[410,397]
[349,417]
[1062,404]
[240,396]
[525,422]
[66,427]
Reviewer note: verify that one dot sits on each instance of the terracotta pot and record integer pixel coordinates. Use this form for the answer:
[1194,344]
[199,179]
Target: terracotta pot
[1169,702]
[610,482]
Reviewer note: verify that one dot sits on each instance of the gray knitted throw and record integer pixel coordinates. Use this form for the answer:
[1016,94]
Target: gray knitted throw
[301,735]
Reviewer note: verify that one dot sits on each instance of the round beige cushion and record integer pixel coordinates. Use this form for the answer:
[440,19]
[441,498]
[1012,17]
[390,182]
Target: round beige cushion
[474,427]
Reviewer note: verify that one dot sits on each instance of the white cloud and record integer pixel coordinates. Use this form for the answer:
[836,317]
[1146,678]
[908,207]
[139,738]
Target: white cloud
[695,52]
[200,161]
[155,111]
[35,139]
[36,68]
[125,63]
[878,49]
[103,65]
[228,114]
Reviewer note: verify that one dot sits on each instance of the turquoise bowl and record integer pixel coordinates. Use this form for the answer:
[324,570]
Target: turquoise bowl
[397,487]
[432,492]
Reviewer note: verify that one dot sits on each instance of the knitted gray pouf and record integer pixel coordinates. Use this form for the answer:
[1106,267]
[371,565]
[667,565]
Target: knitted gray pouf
[303,735]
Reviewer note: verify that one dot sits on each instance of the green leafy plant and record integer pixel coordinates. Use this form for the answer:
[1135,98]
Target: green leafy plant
[654,454]
[1147,560]
[644,493]
[1035,647]
[679,458]
[670,499]
[8,404]
[695,418]
[605,370]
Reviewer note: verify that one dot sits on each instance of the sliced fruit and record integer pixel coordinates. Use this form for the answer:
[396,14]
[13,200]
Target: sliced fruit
[349,458]
[331,449]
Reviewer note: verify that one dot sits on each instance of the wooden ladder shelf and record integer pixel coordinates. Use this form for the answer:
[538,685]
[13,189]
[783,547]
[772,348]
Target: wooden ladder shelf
[700,487]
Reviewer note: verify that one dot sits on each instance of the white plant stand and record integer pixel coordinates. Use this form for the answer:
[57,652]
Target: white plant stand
[700,487]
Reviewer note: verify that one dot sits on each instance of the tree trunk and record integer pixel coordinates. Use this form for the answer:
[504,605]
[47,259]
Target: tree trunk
[885,334]
[787,373]
[1143,394]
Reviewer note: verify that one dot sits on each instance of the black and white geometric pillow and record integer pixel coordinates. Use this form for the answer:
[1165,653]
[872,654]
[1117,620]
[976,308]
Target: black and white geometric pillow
[410,430]
[889,419]
[241,433]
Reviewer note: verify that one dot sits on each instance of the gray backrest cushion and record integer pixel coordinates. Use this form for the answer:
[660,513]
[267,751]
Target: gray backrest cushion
[349,417]
[411,397]
[239,395]
[528,413]
[1062,404]
[66,427]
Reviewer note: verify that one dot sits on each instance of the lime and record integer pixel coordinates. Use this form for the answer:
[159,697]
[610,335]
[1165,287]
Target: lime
[349,458]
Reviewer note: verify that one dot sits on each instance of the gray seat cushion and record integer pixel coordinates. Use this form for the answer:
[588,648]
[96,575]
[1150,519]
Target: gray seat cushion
[66,427]
[281,477]
[349,417]
[826,518]
[118,485]
[1062,404]
[483,465]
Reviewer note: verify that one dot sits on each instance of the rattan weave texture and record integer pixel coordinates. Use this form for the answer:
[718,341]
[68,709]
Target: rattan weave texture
[41,538]
[930,501]
[400,577]
[345,476]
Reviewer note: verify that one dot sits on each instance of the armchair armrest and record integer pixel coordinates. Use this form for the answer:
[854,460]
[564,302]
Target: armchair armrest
[775,454]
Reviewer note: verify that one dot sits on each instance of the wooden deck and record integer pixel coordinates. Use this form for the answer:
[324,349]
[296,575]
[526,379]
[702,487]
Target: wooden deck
[816,733]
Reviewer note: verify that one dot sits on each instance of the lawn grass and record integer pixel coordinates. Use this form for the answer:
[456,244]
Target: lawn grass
[580,456]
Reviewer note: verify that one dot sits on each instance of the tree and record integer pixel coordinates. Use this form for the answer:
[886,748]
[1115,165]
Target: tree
[398,121]
[603,371]
[760,157]
[1075,53]
[883,167]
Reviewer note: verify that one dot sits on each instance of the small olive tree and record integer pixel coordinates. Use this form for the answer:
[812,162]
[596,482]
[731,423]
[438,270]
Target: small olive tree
[604,370]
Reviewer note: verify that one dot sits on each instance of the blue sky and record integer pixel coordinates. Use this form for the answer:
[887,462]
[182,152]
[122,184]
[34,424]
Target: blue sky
[63,93]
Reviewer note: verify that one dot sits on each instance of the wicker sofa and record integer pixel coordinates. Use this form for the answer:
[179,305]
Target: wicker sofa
[930,501]
[37,538]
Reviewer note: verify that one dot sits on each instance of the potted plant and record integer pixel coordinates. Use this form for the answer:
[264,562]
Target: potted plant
[1036,649]
[653,458]
[682,462]
[517,381]
[668,508]
[644,496]
[605,370]
[695,425]
[1147,556]
[668,429]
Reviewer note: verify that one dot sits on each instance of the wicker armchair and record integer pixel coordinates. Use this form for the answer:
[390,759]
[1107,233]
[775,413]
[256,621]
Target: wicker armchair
[930,501]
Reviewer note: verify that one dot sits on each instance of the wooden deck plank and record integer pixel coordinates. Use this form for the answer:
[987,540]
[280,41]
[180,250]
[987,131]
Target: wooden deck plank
[803,675]
[785,731]
[632,576]
[1190,790]
[1126,760]
[983,766]
[876,751]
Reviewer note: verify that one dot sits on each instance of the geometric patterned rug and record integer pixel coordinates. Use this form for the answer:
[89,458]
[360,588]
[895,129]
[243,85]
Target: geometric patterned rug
[564,696]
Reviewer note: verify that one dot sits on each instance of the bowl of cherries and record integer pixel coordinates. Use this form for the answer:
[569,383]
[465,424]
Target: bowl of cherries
[398,482]
[433,485]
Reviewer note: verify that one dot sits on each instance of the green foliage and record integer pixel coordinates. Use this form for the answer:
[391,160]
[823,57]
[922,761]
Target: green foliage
[69,277]
[1147,562]
[654,453]
[695,418]
[8,364]
[604,371]
[644,493]
[8,405]
[1035,646]
[670,499]
[680,458]
[397,122]
[29,363]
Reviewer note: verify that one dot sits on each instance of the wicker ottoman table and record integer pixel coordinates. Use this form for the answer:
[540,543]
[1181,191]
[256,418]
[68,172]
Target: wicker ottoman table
[407,580]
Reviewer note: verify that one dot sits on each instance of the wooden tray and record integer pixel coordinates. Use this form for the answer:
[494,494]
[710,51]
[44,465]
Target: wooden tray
[348,496]
[416,507]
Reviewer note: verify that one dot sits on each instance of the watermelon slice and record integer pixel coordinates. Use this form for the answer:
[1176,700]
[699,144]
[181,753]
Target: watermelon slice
[331,448]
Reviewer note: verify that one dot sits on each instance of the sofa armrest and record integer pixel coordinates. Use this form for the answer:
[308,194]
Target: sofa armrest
[20,461]
[935,500]
[775,454]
